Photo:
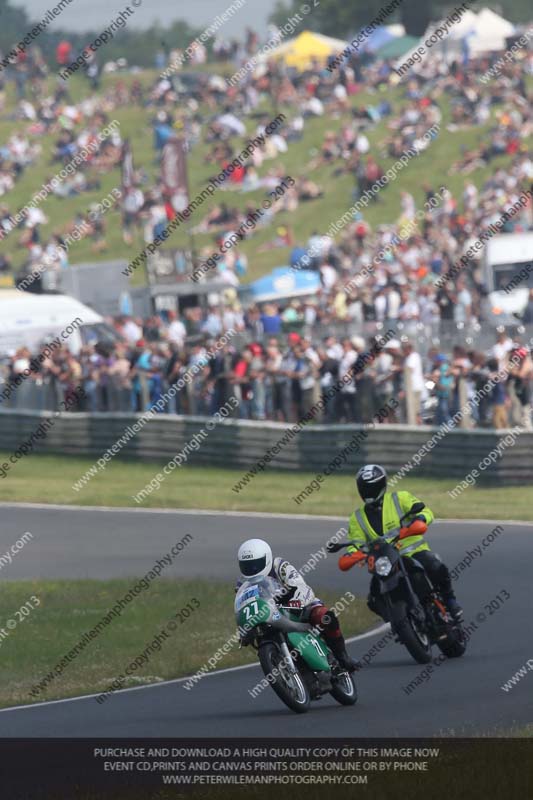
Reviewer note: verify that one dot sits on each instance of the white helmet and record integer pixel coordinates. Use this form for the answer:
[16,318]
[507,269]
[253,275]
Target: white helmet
[255,558]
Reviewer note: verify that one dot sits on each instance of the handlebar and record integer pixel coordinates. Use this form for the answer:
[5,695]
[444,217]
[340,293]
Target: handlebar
[417,528]
[334,547]
[416,508]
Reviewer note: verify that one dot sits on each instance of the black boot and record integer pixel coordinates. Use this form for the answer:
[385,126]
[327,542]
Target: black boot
[453,607]
[338,648]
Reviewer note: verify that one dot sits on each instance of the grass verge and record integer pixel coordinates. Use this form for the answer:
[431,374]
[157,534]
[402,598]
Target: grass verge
[69,609]
[49,479]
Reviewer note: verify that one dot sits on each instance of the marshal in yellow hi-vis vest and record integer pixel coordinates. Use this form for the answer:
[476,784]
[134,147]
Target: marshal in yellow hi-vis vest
[395,505]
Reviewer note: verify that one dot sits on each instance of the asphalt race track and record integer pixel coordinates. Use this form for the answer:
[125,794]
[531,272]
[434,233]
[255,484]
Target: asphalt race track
[461,697]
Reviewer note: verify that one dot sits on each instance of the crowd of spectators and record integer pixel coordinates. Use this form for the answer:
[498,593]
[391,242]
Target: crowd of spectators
[210,111]
[401,284]
[277,377]
[176,101]
[273,376]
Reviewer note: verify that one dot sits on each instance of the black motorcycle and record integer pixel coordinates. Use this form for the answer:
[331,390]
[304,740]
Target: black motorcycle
[416,624]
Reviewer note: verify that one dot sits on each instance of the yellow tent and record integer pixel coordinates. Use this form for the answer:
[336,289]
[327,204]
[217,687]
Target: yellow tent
[300,51]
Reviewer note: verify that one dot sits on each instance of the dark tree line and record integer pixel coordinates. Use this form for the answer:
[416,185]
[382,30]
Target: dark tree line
[332,17]
[137,46]
[343,17]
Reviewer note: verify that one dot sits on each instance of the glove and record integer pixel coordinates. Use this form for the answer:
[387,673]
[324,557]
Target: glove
[418,527]
[347,561]
[303,595]
[334,547]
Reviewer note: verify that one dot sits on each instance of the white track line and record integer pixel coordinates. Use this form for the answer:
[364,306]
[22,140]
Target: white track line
[360,637]
[213,513]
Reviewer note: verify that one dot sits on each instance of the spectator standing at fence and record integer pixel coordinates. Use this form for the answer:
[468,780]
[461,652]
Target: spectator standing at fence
[120,378]
[444,383]
[285,374]
[273,381]
[383,375]
[445,300]
[142,365]
[314,359]
[222,371]
[463,303]
[306,372]
[329,374]
[257,378]
[130,329]
[158,359]
[502,348]
[347,410]
[519,387]
[242,382]
[173,372]
[498,397]
[176,331]
[416,384]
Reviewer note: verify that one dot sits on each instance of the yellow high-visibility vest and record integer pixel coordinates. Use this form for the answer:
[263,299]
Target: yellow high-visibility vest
[395,505]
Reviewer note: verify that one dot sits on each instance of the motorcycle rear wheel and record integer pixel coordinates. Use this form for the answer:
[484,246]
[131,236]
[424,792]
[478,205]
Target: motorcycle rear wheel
[454,646]
[290,688]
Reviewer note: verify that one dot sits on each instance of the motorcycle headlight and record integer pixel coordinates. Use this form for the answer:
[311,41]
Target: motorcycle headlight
[383,565]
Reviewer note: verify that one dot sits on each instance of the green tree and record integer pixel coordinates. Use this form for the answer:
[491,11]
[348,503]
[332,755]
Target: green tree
[515,10]
[331,17]
[137,46]
[14,25]
[343,18]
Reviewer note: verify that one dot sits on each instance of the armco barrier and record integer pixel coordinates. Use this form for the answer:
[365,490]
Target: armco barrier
[241,444]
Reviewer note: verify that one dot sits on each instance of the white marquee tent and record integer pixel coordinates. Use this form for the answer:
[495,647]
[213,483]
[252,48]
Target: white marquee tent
[491,31]
[484,32]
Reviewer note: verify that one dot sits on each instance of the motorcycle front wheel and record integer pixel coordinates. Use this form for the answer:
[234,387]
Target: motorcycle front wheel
[289,686]
[344,689]
[415,640]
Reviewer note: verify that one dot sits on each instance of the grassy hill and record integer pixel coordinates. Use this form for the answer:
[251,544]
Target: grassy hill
[431,166]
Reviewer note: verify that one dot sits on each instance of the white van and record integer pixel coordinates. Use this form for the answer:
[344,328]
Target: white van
[31,320]
[508,272]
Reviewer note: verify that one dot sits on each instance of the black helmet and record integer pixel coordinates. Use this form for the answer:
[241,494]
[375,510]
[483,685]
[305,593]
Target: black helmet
[371,483]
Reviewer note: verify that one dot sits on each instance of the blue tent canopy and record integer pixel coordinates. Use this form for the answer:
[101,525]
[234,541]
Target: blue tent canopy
[284,282]
[378,38]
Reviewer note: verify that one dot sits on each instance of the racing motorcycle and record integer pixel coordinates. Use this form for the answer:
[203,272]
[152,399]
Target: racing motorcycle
[296,661]
[417,625]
